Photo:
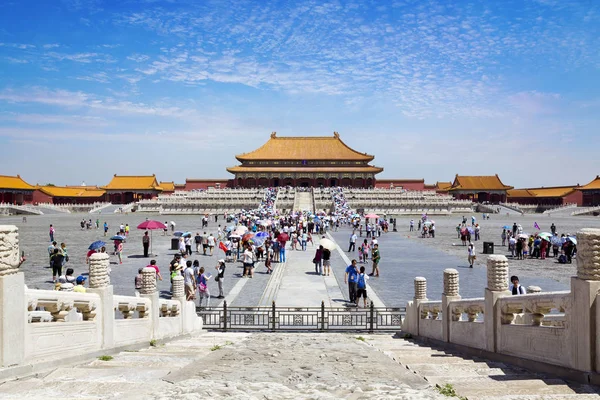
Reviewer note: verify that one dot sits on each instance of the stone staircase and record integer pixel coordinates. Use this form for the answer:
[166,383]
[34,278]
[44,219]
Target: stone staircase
[135,374]
[475,378]
[303,201]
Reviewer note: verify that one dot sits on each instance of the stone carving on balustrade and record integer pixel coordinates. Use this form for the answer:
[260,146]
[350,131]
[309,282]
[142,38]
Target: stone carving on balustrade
[9,250]
[87,309]
[178,287]
[430,311]
[450,282]
[588,254]
[58,308]
[497,273]
[537,306]
[148,281]
[472,307]
[420,288]
[169,308]
[99,277]
[127,309]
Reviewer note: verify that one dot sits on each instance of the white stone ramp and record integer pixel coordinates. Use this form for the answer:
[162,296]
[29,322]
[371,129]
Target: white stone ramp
[300,286]
[476,378]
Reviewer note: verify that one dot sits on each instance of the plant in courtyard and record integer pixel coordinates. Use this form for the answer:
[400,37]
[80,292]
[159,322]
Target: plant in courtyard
[153,343]
[448,390]
[215,347]
[362,339]
[105,358]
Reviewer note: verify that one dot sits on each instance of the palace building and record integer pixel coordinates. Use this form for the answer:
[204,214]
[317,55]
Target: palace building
[310,161]
[127,189]
[478,188]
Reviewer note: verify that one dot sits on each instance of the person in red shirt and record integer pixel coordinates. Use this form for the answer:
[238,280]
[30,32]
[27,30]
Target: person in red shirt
[153,265]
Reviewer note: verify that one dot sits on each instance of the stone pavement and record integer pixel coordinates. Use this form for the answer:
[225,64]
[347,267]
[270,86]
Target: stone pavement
[403,259]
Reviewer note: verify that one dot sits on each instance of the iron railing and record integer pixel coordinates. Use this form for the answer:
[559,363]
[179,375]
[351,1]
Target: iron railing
[322,318]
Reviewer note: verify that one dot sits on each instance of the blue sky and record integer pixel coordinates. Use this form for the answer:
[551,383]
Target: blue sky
[177,88]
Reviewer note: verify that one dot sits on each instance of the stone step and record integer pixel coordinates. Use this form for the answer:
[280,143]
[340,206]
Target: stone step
[106,373]
[148,360]
[487,368]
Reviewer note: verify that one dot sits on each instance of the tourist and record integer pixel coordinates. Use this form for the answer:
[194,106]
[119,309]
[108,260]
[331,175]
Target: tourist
[51,249]
[105,228]
[515,288]
[512,246]
[412,225]
[176,271]
[282,241]
[119,250]
[553,229]
[79,288]
[67,277]
[326,255]
[317,260]
[458,228]
[166,228]
[519,246]
[247,260]
[375,257]
[126,229]
[138,282]
[56,262]
[269,259]
[471,252]
[361,286]
[52,232]
[204,243]
[515,227]
[477,230]
[203,291]
[146,243]
[220,277]
[503,236]
[303,241]
[198,242]
[351,277]
[187,240]
[155,267]
[275,247]
[97,223]
[352,242]
[211,243]
[543,249]
[181,246]
[189,280]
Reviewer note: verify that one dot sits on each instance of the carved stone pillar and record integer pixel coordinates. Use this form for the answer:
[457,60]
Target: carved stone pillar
[13,303]
[411,322]
[149,291]
[450,294]
[100,284]
[178,287]
[585,314]
[420,288]
[497,287]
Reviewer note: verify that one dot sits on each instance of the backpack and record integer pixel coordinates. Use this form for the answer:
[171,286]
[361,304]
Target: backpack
[361,281]
[562,259]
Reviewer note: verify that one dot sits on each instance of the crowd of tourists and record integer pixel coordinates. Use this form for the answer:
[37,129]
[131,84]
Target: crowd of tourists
[539,245]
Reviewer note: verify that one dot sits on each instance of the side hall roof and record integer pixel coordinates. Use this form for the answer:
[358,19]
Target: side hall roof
[134,182]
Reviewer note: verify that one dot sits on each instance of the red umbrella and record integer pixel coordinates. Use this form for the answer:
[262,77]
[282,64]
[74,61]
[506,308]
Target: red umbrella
[247,237]
[283,237]
[151,225]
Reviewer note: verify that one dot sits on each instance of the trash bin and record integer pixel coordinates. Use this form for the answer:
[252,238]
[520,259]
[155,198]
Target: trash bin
[488,247]
[174,244]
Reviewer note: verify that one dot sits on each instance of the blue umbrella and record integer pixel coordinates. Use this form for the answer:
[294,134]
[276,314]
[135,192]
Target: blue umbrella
[507,227]
[230,228]
[182,234]
[98,244]
[556,241]
[118,237]
[572,239]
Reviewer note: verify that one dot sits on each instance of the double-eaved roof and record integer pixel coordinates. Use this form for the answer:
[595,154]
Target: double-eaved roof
[478,183]
[305,148]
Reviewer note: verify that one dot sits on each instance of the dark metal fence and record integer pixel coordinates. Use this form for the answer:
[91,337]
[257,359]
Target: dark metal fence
[322,318]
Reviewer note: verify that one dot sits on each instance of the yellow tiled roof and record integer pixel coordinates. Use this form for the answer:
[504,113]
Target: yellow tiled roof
[168,186]
[368,168]
[443,185]
[72,191]
[557,191]
[492,182]
[595,184]
[14,182]
[305,148]
[133,183]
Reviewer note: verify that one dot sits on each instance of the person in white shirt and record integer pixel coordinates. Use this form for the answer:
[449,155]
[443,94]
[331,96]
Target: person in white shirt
[189,280]
[247,259]
[515,288]
[211,243]
[471,258]
[352,246]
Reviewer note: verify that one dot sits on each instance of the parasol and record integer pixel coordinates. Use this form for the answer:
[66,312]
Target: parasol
[328,244]
[572,239]
[96,245]
[118,237]
[546,236]
[152,225]
[283,237]
[372,216]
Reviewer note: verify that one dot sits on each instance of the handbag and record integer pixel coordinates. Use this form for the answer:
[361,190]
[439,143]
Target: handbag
[217,278]
[201,287]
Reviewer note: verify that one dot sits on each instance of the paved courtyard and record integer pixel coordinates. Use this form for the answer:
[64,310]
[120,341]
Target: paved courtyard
[404,256]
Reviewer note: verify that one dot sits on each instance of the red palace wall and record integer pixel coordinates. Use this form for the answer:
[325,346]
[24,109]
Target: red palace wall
[191,184]
[41,197]
[575,197]
[408,184]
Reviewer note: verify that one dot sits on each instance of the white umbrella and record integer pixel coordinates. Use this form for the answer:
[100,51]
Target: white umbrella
[328,244]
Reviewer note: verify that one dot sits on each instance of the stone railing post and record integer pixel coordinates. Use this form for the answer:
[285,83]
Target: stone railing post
[412,320]
[450,294]
[497,287]
[583,315]
[150,291]
[13,304]
[100,284]
[185,311]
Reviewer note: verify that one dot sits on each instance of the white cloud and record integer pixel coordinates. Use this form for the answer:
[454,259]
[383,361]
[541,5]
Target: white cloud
[138,57]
